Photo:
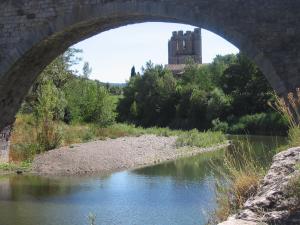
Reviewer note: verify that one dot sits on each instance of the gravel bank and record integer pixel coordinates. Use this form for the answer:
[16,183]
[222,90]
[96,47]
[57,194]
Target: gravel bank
[111,155]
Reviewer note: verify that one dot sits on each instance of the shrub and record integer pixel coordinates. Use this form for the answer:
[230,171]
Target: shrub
[48,136]
[200,139]
[293,188]
[261,123]
[219,125]
[89,102]
[240,181]
[289,110]
[14,166]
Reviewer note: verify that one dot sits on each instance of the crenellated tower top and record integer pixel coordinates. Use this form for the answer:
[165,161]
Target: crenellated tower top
[185,45]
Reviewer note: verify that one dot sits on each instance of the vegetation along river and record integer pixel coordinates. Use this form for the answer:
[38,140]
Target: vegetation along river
[179,192]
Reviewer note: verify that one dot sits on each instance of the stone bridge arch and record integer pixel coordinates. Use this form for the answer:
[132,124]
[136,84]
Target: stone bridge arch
[34,32]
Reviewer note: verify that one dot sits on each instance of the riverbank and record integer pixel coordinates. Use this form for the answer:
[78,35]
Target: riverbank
[113,155]
[277,200]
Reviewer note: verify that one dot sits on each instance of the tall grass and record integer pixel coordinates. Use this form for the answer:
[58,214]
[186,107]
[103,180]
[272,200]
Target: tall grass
[289,108]
[293,188]
[200,139]
[241,174]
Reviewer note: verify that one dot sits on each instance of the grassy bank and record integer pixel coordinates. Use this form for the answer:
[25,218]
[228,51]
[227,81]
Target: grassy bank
[28,139]
[243,175]
[240,174]
[11,167]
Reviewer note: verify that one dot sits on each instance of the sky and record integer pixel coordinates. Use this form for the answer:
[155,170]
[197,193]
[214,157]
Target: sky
[112,54]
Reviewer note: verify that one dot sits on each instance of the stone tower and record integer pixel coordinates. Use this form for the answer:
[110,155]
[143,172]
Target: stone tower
[185,45]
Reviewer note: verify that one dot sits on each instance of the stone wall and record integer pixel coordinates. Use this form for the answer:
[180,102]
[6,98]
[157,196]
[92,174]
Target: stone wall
[34,32]
[4,144]
[183,46]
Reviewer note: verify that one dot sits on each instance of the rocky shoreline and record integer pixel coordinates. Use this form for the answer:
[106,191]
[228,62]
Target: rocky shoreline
[112,155]
[272,204]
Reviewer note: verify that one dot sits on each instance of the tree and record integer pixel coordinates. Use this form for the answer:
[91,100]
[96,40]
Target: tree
[59,72]
[133,73]
[49,104]
[88,101]
[87,70]
[149,99]
[247,86]
[133,110]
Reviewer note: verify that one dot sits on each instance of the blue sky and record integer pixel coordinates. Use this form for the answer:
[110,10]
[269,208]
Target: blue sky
[111,54]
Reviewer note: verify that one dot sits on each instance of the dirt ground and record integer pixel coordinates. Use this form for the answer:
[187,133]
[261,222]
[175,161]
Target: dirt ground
[111,155]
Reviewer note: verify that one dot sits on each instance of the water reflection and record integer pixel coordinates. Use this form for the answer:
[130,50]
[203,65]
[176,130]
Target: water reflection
[194,168]
[179,192]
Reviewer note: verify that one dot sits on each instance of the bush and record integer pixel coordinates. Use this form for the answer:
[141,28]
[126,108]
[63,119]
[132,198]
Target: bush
[261,123]
[293,188]
[48,136]
[294,137]
[46,111]
[219,126]
[240,181]
[200,139]
[89,102]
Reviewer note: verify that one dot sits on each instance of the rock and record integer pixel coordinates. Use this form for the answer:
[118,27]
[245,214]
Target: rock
[240,222]
[271,204]
[19,172]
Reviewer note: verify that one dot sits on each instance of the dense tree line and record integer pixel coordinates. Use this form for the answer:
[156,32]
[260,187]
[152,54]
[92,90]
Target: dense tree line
[60,95]
[231,94]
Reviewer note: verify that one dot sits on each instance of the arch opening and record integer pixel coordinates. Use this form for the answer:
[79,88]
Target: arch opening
[43,44]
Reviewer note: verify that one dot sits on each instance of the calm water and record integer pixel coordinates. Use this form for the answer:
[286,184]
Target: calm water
[180,192]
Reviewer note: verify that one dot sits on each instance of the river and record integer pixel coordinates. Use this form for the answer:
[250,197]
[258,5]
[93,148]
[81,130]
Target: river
[179,192]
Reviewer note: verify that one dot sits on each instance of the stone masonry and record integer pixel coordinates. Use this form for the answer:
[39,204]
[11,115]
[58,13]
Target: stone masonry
[4,144]
[34,32]
[183,46]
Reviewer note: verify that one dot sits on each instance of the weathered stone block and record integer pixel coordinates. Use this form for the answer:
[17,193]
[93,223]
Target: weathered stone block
[5,144]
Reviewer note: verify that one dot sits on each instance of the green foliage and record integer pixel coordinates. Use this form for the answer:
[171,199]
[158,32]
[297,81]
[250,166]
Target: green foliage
[24,166]
[260,123]
[294,136]
[219,125]
[149,99]
[247,87]
[240,181]
[26,142]
[133,73]
[218,104]
[200,139]
[87,70]
[115,90]
[59,95]
[49,107]
[50,102]
[133,110]
[293,188]
[230,94]
[58,73]
[88,101]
